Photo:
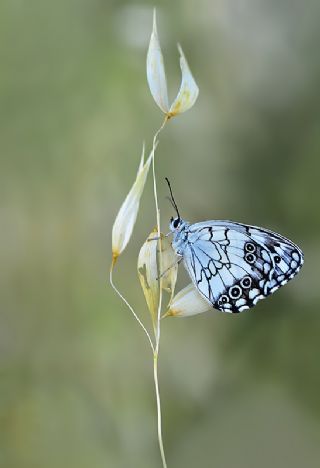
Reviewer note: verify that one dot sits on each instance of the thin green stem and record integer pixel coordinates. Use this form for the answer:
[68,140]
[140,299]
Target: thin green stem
[158,228]
[131,308]
[154,346]
[157,328]
[156,384]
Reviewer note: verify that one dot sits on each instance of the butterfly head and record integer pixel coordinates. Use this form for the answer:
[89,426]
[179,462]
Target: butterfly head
[175,223]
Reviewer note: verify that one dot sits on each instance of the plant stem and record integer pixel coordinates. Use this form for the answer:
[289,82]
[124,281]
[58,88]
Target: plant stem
[156,384]
[158,228]
[154,347]
[131,308]
[157,328]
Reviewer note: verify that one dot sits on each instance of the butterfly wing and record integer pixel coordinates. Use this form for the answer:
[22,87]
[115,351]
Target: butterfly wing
[234,265]
[288,257]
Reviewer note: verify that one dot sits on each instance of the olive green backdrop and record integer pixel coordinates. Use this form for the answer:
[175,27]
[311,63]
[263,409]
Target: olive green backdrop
[76,386]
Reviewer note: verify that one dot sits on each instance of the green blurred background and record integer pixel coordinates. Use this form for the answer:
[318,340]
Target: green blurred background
[76,386]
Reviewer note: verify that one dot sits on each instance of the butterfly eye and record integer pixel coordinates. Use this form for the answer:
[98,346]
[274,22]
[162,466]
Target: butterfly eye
[176,222]
[171,220]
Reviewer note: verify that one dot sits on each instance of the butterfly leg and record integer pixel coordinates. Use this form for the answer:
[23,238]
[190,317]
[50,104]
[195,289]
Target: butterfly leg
[171,266]
[158,238]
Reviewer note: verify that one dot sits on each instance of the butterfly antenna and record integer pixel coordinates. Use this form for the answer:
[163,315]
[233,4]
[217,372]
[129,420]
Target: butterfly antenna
[172,204]
[172,200]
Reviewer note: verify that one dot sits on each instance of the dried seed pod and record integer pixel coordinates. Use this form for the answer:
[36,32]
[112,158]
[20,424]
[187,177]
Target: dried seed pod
[127,215]
[187,302]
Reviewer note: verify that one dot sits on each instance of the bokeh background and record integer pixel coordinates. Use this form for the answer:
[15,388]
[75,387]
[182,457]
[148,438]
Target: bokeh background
[76,387]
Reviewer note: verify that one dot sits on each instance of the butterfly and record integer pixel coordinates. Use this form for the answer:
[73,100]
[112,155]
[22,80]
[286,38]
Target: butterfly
[233,265]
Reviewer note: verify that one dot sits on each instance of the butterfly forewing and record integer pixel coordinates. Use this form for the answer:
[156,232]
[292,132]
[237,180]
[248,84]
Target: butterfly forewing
[234,265]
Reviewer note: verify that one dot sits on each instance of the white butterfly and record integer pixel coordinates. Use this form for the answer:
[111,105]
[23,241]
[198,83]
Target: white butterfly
[234,265]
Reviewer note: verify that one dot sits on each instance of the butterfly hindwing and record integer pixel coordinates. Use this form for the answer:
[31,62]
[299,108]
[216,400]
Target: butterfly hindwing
[288,257]
[235,265]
